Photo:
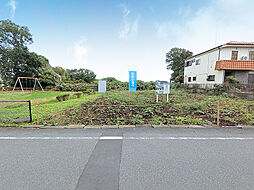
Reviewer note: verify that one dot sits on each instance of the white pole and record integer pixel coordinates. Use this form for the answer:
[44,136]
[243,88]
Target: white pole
[15,84]
[34,84]
[40,84]
[157,97]
[167,97]
[21,85]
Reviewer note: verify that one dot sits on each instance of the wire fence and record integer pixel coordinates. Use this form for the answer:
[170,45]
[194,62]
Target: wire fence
[15,112]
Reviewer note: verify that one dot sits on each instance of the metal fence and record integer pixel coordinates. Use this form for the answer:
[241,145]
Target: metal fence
[15,112]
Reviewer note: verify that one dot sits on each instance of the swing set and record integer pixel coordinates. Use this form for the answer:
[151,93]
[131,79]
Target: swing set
[25,86]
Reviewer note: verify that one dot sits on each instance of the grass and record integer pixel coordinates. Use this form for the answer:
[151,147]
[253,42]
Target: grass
[116,108]
[120,108]
[47,105]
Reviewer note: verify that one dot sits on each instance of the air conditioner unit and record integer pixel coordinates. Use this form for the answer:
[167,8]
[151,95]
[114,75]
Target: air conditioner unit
[244,58]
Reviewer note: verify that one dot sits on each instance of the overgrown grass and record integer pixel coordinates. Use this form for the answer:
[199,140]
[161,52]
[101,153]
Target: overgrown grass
[120,107]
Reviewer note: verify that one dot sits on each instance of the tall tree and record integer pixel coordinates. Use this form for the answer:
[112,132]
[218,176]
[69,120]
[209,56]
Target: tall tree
[175,59]
[13,35]
[15,58]
[82,75]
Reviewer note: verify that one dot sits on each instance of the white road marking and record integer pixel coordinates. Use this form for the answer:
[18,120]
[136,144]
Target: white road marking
[48,138]
[126,138]
[111,138]
[189,138]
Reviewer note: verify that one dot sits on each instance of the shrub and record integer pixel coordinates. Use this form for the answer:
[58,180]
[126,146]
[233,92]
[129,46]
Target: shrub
[63,97]
[232,80]
[66,97]
[78,94]
[59,98]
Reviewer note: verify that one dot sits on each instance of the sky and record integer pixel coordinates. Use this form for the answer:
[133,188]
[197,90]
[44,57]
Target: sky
[111,37]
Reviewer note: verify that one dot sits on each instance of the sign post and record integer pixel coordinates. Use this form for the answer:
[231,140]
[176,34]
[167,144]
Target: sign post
[132,83]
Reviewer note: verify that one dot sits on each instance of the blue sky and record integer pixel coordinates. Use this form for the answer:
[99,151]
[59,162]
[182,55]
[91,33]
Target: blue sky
[112,36]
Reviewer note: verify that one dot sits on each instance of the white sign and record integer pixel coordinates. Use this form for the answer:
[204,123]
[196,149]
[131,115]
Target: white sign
[102,86]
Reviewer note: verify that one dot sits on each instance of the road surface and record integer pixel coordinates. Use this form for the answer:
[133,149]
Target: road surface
[126,159]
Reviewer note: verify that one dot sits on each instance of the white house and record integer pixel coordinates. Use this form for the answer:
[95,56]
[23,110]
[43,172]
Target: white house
[214,65]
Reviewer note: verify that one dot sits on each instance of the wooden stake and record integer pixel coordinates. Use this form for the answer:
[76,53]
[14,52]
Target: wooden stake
[218,113]
[37,112]
[129,97]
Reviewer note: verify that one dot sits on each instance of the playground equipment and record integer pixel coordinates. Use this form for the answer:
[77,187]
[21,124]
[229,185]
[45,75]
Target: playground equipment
[163,87]
[26,87]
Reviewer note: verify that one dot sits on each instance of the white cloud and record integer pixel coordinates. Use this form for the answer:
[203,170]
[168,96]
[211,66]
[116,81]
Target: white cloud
[12,4]
[129,26]
[81,51]
[216,23]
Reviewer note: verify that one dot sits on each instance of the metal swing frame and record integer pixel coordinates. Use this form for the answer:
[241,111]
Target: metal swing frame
[32,78]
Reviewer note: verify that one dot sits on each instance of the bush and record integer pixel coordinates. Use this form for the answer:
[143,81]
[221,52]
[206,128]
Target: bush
[232,80]
[88,91]
[63,97]
[78,94]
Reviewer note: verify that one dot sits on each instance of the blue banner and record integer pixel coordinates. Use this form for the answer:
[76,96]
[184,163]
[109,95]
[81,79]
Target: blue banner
[132,80]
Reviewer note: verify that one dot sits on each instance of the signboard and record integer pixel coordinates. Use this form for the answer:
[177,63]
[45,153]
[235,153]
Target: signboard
[132,80]
[101,86]
[166,89]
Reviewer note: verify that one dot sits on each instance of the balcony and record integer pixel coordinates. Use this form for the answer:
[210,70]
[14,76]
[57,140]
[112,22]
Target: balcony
[244,65]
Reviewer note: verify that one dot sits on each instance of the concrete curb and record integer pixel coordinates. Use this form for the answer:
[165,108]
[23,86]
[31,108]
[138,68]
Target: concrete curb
[128,126]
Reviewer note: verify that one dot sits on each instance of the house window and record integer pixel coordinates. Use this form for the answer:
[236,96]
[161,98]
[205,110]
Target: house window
[189,79]
[251,55]
[234,55]
[194,78]
[211,78]
[188,63]
[198,62]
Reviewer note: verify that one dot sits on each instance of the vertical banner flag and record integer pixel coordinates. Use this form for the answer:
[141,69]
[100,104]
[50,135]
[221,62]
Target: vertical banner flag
[132,80]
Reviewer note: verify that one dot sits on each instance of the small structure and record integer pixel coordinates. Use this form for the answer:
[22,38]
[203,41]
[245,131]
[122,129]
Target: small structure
[102,86]
[27,78]
[163,87]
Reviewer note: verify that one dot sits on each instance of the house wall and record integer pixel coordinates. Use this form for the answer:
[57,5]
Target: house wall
[242,76]
[208,62]
[242,51]
[206,67]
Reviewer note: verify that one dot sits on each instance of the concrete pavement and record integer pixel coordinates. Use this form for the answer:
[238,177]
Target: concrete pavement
[127,159]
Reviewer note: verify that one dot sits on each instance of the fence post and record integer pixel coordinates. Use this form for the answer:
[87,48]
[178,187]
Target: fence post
[30,111]
[37,113]
[218,113]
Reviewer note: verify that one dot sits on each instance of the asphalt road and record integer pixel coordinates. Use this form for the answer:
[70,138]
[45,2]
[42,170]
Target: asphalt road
[126,159]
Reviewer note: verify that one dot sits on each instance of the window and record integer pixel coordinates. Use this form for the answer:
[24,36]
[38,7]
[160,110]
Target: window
[251,56]
[198,62]
[189,63]
[211,78]
[194,78]
[234,55]
[189,79]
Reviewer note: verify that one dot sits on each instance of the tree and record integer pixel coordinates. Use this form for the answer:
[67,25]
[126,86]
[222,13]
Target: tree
[82,75]
[61,72]
[15,59]
[13,35]
[175,59]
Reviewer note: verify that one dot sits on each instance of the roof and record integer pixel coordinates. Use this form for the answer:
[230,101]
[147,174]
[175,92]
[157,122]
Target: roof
[239,43]
[234,65]
[234,43]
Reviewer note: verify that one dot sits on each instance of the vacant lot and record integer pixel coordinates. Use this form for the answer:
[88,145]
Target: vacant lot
[182,108]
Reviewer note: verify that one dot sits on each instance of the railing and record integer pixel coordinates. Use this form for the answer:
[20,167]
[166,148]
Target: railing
[11,113]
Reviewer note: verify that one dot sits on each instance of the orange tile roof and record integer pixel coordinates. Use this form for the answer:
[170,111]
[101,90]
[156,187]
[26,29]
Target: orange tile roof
[234,65]
[239,43]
